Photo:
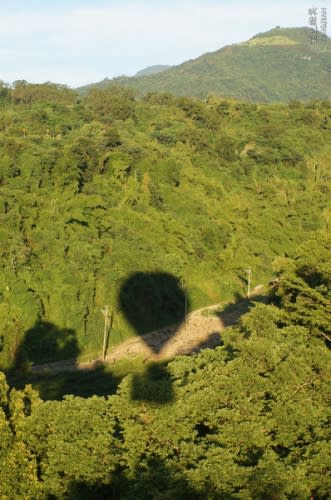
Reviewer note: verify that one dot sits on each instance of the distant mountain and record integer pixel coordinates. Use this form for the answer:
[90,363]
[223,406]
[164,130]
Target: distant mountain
[278,65]
[153,70]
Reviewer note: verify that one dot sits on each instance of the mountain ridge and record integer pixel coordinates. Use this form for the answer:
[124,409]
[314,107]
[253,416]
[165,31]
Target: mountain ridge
[152,70]
[276,65]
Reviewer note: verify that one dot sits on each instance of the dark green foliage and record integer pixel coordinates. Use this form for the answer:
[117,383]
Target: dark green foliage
[114,103]
[249,419]
[303,291]
[154,206]
[29,93]
[227,148]
[95,189]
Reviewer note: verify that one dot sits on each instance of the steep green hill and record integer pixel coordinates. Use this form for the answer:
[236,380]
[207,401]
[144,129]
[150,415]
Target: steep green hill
[279,65]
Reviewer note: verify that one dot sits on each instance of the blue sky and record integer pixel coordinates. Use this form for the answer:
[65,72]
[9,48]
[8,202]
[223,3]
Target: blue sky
[81,41]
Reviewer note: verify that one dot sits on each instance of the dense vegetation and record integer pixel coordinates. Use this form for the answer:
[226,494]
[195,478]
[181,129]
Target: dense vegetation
[248,420]
[96,189]
[110,199]
[279,65]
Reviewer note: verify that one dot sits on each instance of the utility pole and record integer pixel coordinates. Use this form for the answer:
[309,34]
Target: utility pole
[182,281]
[183,284]
[249,274]
[105,313]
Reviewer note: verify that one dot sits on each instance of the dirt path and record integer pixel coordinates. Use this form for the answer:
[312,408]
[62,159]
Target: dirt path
[198,331]
[201,329]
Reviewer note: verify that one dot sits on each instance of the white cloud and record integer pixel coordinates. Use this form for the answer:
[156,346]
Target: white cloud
[94,42]
[128,28]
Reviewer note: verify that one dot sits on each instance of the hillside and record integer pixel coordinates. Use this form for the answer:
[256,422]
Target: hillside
[152,70]
[279,65]
[154,207]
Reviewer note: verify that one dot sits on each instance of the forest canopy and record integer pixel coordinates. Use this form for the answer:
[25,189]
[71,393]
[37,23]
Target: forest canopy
[249,419]
[95,189]
[106,190]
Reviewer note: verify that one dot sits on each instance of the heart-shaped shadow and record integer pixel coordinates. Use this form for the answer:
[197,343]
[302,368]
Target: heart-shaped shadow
[153,301]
